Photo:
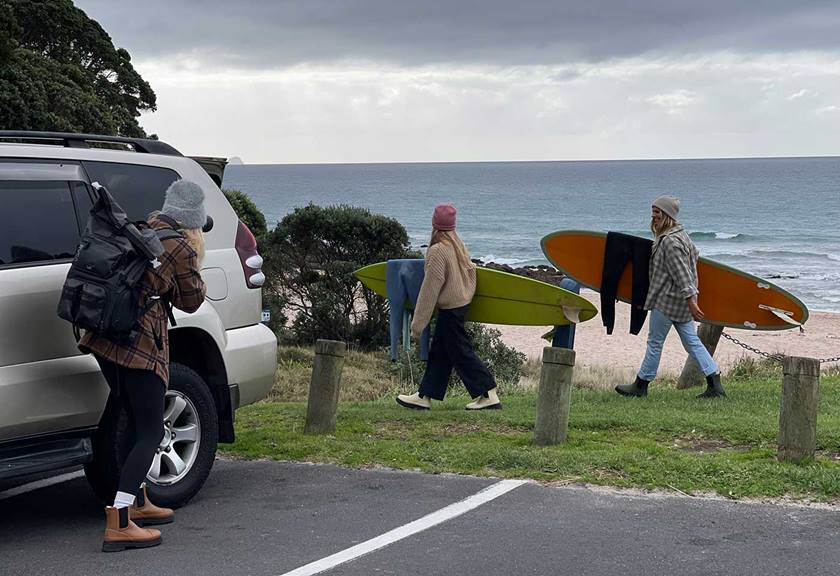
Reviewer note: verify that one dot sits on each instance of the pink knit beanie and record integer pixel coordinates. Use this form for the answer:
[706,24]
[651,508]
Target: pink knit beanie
[444,217]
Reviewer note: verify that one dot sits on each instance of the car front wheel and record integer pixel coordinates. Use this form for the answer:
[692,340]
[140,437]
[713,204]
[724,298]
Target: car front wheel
[186,452]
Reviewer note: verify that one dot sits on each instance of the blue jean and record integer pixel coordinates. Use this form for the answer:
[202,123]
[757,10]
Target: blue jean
[658,329]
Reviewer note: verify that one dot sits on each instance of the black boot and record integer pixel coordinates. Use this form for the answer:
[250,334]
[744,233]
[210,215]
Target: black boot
[714,389]
[637,388]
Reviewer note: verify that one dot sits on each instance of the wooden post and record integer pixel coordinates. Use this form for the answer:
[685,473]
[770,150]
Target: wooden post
[555,396]
[324,387]
[691,376]
[798,414]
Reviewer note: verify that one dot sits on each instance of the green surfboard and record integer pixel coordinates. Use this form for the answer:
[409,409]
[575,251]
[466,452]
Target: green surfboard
[503,298]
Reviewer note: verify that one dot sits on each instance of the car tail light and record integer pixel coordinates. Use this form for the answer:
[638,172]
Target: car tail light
[246,247]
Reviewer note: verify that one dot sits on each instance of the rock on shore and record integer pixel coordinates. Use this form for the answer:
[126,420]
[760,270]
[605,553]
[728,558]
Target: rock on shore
[542,272]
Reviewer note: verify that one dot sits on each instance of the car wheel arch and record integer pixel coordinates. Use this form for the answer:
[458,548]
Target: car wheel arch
[197,349]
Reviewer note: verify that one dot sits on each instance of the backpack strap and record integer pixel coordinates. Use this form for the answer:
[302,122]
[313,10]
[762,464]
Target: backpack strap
[168,233]
[167,305]
[165,234]
[168,220]
[172,232]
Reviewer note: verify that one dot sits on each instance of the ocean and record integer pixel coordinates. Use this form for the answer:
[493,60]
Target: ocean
[777,218]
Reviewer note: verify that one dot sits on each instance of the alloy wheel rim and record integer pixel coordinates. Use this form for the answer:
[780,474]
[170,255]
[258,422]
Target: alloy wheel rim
[178,449]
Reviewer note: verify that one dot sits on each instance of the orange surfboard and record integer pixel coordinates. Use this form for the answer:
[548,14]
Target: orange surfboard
[728,297]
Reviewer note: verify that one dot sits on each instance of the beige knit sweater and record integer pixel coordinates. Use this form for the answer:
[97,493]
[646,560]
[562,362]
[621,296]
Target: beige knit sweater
[445,285]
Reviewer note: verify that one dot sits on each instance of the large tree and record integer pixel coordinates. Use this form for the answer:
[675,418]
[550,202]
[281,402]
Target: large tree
[59,70]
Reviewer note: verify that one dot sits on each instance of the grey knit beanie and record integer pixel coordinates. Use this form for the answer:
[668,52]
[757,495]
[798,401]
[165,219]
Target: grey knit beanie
[668,204]
[185,203]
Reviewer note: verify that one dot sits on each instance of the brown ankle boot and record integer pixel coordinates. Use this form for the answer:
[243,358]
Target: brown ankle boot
[144,513]
[122,533]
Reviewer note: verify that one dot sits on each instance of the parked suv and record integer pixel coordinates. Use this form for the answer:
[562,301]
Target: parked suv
[51,396]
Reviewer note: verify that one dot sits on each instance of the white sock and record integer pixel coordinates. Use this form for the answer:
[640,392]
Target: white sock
[123,500]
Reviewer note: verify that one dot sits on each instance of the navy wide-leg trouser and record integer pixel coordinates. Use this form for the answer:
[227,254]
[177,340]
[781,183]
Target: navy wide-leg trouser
[452,348]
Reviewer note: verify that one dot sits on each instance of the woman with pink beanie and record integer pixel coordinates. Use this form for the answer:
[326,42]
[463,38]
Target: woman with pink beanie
[449,286]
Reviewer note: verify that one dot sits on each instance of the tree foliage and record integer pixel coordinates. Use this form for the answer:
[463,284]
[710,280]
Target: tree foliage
[247,212]
[8,30]
[60,71]
[310,258]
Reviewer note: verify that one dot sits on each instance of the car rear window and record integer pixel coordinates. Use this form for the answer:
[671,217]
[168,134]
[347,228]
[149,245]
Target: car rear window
[40,223]
[139,190]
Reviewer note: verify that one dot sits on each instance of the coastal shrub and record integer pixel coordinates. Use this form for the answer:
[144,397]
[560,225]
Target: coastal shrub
[248,212]
[505,363]
[310,259]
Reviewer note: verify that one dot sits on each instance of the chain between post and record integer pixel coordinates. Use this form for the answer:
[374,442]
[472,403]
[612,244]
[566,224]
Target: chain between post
[773,357]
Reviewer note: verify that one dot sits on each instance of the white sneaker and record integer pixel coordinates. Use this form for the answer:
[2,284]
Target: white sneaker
[414,401]
[490,402]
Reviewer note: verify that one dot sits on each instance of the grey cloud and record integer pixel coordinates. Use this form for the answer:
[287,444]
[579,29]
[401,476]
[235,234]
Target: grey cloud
[567,75]
[274,34]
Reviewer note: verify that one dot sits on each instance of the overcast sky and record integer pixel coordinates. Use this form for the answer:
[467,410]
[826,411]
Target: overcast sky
[458,80]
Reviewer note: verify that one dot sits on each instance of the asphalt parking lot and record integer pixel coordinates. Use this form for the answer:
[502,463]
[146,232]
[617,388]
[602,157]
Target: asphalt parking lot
[271,518]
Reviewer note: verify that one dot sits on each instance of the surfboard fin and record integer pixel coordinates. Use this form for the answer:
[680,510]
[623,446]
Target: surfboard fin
[785,315]
[572,314]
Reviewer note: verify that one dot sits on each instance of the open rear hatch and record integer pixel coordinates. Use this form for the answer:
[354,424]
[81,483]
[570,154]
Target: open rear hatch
[215,167]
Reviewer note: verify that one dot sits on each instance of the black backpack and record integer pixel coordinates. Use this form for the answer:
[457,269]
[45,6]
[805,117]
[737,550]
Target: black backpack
[102,290]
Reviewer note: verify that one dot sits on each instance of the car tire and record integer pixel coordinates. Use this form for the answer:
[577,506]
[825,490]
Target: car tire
[172,480]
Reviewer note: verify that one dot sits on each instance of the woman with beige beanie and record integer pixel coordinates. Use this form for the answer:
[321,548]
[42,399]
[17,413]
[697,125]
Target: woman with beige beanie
[672,300]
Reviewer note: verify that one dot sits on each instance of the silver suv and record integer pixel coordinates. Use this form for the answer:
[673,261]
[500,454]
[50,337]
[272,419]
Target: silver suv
[51,396]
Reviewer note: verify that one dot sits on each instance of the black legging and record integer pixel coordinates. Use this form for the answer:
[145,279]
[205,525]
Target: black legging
[452,348]
[142,393]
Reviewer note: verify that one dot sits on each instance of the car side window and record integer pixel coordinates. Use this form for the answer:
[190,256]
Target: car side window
[139,190]
[84,202]
[40,223]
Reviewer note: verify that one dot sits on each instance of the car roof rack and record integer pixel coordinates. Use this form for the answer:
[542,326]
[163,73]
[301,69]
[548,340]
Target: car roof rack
[70,140]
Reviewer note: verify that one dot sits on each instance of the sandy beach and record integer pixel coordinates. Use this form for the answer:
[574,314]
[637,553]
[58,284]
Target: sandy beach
[622,352]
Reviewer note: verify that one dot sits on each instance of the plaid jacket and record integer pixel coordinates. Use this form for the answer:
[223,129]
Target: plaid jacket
[673,274]
[179,273]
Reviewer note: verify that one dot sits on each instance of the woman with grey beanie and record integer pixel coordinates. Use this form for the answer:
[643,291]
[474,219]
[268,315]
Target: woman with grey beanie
[138,372]
[672,300]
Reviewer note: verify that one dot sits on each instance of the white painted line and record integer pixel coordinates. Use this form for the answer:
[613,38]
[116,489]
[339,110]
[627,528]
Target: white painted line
[452,511]
[23,489]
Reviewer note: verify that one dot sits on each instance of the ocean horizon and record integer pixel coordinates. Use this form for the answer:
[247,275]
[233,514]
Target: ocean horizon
[773,217]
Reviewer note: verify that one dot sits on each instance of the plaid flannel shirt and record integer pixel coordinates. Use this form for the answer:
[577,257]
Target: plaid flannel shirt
[177,274]
[673,274]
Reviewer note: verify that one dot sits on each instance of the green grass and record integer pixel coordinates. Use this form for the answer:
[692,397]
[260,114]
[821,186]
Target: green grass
[669,440]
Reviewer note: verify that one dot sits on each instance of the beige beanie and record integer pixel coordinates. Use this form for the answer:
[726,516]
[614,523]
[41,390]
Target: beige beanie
[668,204]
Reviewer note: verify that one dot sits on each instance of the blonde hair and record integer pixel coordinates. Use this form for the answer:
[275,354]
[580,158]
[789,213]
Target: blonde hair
[451,238]
[195,238]
[665,224]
